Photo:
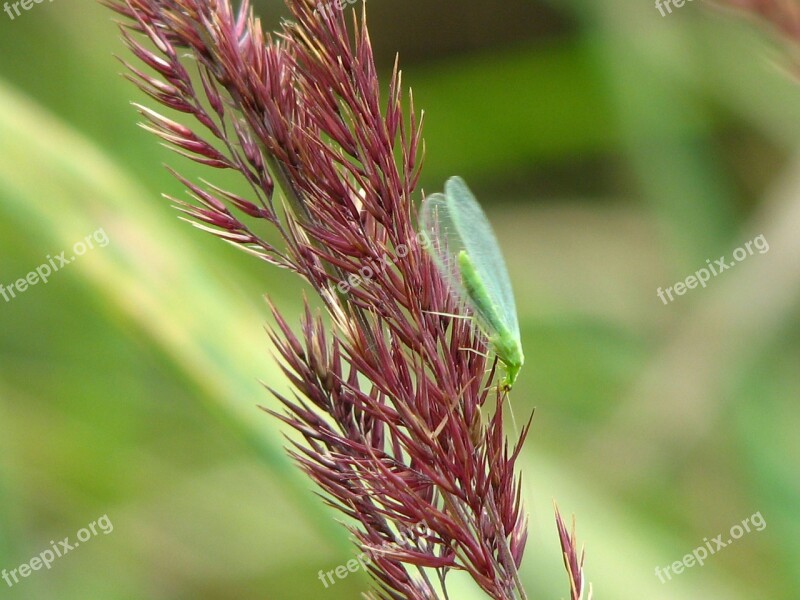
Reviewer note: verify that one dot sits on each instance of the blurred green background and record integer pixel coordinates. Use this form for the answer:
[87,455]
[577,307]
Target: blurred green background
[615,150]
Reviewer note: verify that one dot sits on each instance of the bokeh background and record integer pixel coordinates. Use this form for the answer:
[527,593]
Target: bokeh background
[615,150]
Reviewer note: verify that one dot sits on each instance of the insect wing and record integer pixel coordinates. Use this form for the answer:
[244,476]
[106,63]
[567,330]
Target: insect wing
[474,233]
[445,241]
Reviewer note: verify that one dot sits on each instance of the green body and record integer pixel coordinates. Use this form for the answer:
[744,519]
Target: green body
[506,344]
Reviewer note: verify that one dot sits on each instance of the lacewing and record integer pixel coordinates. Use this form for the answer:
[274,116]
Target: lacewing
[466,252]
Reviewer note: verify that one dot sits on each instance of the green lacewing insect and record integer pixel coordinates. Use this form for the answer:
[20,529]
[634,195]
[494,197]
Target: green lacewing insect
[466,252]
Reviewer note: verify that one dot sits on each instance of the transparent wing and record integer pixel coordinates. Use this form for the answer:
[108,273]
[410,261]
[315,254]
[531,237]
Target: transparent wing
[445,241]
[474,233]
[456,222]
